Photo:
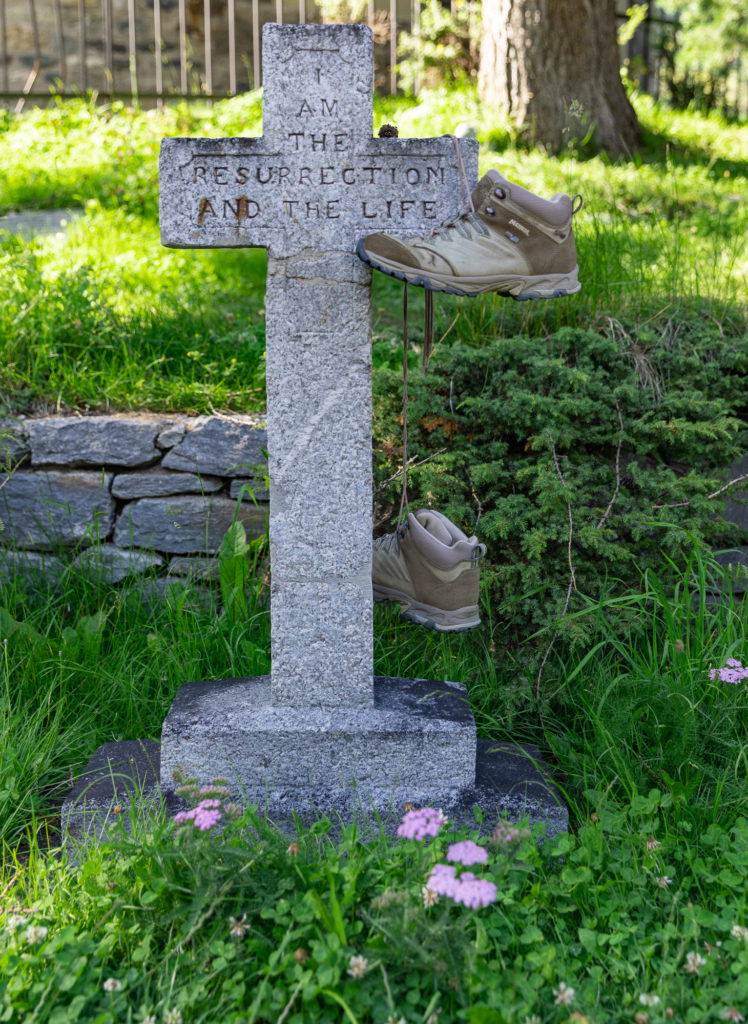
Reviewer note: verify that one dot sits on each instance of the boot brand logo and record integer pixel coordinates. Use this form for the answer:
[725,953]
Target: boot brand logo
[520,227]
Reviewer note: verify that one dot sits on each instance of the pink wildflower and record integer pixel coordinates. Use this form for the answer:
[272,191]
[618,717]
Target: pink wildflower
[443,880]
[421,823]
[467,853]
[475,892]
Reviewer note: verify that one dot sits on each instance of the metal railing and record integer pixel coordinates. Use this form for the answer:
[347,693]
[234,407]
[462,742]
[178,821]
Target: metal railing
[180,48]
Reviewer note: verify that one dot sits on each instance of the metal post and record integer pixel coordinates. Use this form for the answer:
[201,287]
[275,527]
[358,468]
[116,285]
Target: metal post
[157,52]
[232,48]
[82,47]
[28,86]
[256,69]
[393,47]
[60,43]
[279,11]
[107,25]
[4,44]
[208,49]
[302,12]
[133,59]
[182,48]
[415,17]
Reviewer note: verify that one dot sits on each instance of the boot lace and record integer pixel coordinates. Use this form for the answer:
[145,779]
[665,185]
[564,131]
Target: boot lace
[389,539]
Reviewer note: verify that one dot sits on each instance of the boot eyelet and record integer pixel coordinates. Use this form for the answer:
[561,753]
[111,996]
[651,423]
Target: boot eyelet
[499,193]
[490,211]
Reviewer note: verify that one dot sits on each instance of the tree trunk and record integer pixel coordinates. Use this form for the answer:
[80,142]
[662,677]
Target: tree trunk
[552,67]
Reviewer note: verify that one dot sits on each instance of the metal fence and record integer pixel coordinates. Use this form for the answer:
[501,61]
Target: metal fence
[155,50]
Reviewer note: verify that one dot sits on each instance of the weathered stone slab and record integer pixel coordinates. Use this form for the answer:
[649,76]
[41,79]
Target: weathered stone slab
[417,738]
[13,446]
[218,446]
[161,483]
[510,780]
[112,564]
[44,509]
[183,525]
[93,440]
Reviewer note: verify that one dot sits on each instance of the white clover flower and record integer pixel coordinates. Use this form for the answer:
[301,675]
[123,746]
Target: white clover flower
[663,881]
[112,985]
[739,932]
[238,927]
[652,844]
[15,921]
[731,1013]
[693,962]
[564,994]
[429,896]
[36,933]
[358,966]
[150,1018]
[172,1016]
[649,999]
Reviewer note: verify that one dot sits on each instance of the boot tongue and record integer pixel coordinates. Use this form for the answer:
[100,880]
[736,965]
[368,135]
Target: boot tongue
[435,527]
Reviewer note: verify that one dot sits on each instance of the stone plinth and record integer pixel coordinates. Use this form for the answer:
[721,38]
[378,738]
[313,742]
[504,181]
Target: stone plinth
[417,742]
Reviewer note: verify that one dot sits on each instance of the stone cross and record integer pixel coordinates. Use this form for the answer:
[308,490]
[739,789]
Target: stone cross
[308,190]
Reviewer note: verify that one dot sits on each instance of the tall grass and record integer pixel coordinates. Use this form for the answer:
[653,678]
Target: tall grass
[661,233]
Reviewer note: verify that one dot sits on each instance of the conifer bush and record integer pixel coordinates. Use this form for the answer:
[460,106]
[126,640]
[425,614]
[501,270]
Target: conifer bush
[580,459]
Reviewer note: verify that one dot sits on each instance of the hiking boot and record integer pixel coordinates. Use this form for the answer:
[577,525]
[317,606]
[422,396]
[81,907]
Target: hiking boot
[430,568]
[510,241]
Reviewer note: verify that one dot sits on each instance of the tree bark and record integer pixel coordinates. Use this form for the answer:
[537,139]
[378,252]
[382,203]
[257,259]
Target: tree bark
[552,67]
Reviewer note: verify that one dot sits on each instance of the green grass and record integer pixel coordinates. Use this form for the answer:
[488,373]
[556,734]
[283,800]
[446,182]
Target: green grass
[660,234]
[642,743]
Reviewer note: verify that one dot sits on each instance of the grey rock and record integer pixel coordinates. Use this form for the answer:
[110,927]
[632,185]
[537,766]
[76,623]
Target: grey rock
[171,435]
[43,509]
[13,446]
[182,525]
[197,567]
[736,504]
[257,488]
[158,483]
[93,440]
[111,564]
[219,446]
[38,571]
[153,593]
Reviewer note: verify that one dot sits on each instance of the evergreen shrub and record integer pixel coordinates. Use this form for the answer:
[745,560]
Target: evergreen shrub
[525,445]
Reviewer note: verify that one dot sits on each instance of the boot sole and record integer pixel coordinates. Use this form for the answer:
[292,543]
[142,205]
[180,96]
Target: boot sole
[543,286]
[456,620]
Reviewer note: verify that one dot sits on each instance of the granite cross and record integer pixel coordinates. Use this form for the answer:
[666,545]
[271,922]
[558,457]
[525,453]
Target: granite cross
[308,190]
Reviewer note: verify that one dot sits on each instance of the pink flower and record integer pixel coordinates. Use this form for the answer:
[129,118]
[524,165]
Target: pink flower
[421,823]
[204,816]
[443,880]
[467,853]
[475,892]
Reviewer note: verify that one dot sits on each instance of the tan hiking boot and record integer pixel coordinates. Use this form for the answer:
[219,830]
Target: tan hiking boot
[511,242]
[430,568]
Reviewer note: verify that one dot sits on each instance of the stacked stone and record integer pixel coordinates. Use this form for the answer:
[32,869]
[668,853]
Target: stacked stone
[125,494]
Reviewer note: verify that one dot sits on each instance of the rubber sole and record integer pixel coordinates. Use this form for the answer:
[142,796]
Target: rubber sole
[455,620]
[544,286]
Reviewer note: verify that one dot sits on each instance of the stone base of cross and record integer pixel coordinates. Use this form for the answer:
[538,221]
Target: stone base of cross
[308,190]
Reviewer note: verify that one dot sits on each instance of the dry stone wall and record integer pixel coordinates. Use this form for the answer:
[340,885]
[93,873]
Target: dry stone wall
[127,493]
